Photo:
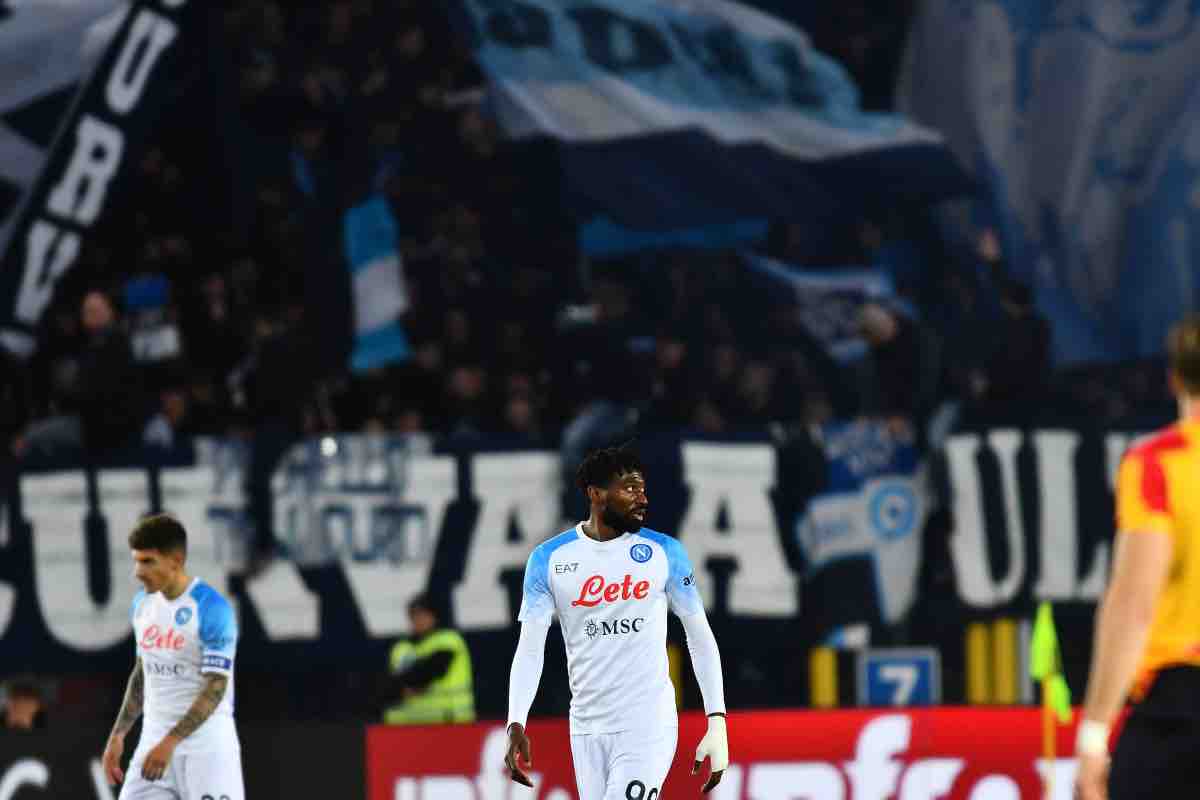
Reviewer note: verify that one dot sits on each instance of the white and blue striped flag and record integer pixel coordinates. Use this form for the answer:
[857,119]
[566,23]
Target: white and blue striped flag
[378,288]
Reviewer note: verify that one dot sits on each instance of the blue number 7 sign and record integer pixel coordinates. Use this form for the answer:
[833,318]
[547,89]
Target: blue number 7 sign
[899,677]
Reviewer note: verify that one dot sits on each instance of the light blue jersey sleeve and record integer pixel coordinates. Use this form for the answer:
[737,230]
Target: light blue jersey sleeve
[133,609]
[682,594]
[537,600]
[537,603]
[137,601]
[218,630]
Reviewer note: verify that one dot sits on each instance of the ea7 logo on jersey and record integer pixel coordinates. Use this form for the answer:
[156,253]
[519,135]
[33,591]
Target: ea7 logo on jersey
[595,591]
[613,627]
[560,569]
[689,579]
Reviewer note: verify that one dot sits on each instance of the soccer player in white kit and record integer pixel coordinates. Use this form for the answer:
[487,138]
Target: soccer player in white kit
[609,581]
[182,680]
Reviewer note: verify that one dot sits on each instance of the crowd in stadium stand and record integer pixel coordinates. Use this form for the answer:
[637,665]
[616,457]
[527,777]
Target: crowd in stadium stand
[209,266]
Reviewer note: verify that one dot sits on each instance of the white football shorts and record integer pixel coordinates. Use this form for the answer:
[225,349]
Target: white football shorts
[211,775]
[630,765]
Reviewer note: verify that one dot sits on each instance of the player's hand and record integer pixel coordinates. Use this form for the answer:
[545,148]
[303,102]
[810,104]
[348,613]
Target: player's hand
[1091,779]
[519,746]
[715,747]
[155,765]
[111,760]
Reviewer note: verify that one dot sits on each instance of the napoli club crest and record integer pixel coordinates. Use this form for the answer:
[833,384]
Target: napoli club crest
[640,553]
[182,616]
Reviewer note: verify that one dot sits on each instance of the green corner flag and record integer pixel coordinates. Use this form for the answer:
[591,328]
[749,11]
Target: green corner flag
[1045,664]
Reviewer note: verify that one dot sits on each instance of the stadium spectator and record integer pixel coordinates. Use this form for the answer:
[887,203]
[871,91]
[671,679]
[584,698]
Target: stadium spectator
[24,706]
[275,386]
[672,390]
[108,402]
[1012,387]
[894,359]
[756,396]
[998,346]
[170,421]
[602,371]
[14,396]
[466,401]
[523,410]
[213,328]
[716,409]
[152,319]
[430,671]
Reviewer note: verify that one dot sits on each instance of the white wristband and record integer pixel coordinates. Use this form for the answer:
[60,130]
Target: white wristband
[1092,738]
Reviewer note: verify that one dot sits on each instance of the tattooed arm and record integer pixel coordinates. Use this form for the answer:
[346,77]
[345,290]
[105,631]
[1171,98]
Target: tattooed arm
[131,709]
[203,707]
[135,696]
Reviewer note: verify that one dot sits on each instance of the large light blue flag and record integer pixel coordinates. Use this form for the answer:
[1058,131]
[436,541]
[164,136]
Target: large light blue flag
[677,114]
[1081,120]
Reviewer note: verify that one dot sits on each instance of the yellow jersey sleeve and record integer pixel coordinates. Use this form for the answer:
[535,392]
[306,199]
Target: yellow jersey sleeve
[1142,497]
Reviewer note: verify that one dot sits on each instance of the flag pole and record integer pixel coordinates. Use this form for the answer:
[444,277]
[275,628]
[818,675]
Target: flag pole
[1049,738]
[1045,667]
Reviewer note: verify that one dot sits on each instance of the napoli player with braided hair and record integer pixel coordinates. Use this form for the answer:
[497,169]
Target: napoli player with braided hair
[609,582]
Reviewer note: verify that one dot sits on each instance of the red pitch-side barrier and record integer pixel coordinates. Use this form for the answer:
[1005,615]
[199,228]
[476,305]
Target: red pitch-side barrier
[955,753]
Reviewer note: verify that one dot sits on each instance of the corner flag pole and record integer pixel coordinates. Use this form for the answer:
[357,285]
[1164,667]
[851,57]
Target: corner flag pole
[1045,666]
[1049,737]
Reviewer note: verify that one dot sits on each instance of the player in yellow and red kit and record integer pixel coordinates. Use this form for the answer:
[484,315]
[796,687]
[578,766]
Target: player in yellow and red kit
[1148,624]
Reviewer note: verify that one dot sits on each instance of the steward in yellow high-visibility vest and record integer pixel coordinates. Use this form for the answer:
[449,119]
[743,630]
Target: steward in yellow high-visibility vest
[431,671]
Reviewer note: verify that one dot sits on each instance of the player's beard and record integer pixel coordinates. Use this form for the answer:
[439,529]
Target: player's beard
[621,523]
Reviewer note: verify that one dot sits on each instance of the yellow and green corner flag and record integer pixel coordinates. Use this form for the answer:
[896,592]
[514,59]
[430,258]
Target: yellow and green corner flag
[1045,667]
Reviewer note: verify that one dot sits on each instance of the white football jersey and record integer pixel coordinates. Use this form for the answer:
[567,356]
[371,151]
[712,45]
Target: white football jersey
[179,641]
[611,600]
